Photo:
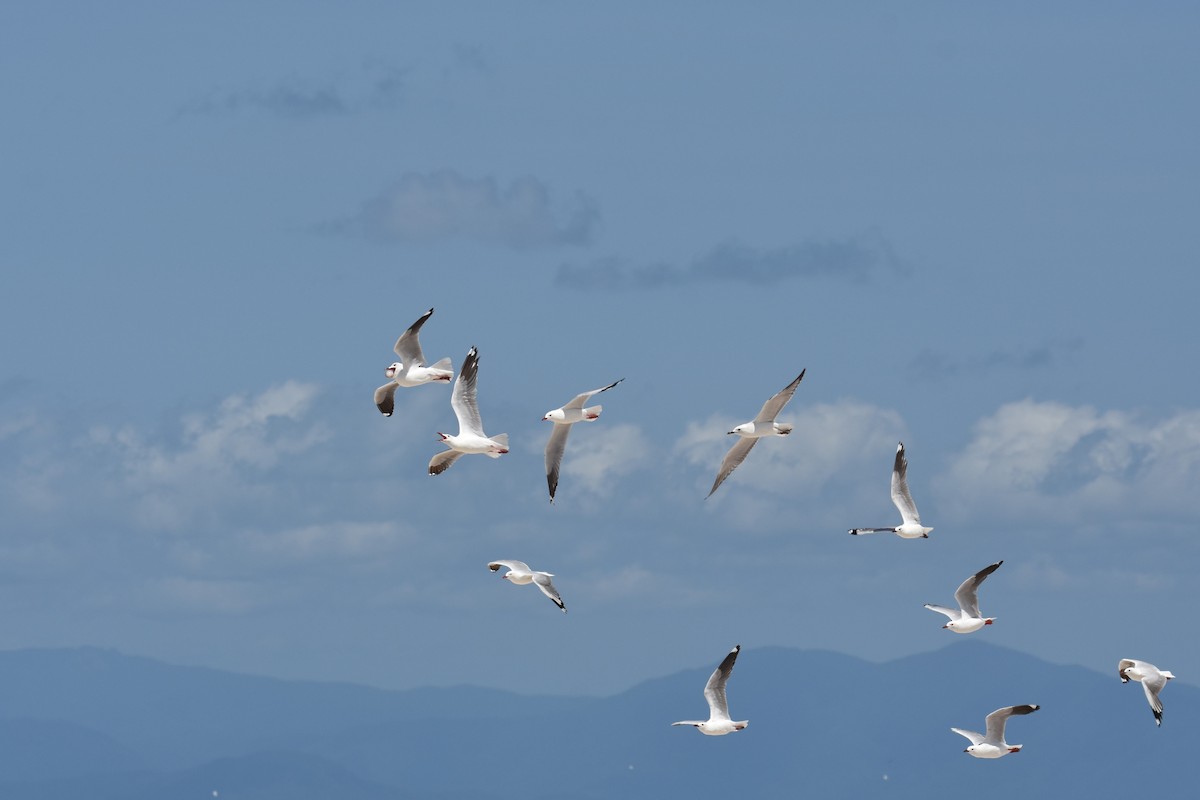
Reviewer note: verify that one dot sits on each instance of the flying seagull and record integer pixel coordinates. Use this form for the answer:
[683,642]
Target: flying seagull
[750,432]
[718,722]
[966,618]
[992,745]
[520,574]
[411,369]
[911,528]
[471,438]
[563,418]
[1153,680]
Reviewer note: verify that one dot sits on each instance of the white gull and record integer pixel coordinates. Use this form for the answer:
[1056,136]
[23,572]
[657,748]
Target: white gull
[718,722]
[750,432]
[911,527]
[411,369]
[470,438]
[992,744]
[520,573]
[563,418]
[966,618]
[1153,680]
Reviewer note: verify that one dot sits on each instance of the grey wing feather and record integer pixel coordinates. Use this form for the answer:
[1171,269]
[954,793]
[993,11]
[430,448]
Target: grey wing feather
[463,400]
[952,613]
[714,690]
[408,346]
[900,494]
[975,738]
[385,398]
[772,407]
[580,399]
[967,595]
[554,453]
[543,582]
[735,456]
[997,719]
[442,461]
[1152,686]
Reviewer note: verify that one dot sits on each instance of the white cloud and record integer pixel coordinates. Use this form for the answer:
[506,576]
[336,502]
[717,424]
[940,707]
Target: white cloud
[216,456]
[609,452]
[1061,463]
[445,205]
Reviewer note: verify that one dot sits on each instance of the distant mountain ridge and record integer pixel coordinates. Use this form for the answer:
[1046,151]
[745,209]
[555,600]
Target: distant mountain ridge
[837,726]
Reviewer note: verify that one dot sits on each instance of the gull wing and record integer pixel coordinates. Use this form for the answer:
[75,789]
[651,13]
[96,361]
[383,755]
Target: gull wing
[733,459]
[772,407]
[511,566]
[967,595]
[408,346]
[900,493]
[463,400]
[714,690]
[997,719]
[1152,687]
[542,580]
[442,461]
[554,453]
[952,613]
[580,399]
[385,398]
[1124,664]
[975,738]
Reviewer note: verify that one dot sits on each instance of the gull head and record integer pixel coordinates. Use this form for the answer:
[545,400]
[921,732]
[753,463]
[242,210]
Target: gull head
[555,414]
[745,427]
[393,370]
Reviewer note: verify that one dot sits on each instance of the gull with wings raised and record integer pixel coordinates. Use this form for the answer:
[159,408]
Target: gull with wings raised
[563,418]
[750,432]
[718,722]
[910,527]
[411,369]
[966,618]
[992,744]
[470,438]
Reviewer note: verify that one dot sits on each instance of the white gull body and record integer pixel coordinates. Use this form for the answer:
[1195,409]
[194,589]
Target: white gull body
[992,744]
[750,432]
[966,618]
[1152,678]
[911,527]
[470,438]
[411,369]
[563,418]
[520,574]
[718,722]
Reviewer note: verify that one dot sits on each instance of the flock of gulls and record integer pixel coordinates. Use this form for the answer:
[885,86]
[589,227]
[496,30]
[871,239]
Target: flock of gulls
[412,370]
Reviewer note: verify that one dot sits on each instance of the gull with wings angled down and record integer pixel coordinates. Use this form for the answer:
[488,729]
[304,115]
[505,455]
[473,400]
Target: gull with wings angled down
[411,369]
[1153,680]
[992,744]
[910,527]
[966,618]
[563,418]
[520,574]
[750,432]
[470,438]
[718,722]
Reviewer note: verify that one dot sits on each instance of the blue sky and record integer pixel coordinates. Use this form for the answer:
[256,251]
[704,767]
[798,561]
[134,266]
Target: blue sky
[973,226]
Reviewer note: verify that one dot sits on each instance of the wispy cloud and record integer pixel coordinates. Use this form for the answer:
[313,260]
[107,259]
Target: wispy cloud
[935,364]
[375,85]
[610,453]
[443,205]
[854,259]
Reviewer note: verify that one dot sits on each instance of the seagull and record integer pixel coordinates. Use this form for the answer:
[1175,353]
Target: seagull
[718,722]
[911,528]
[750,432]
[563,418]
[993,745]
[966,619]
[471,438]
[1153,680]
[411,369]
[520,574]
